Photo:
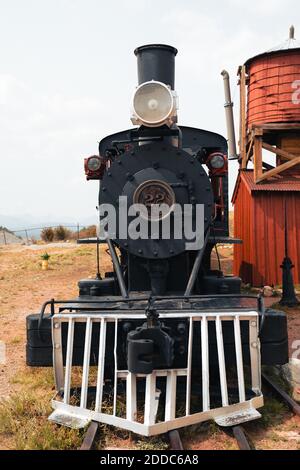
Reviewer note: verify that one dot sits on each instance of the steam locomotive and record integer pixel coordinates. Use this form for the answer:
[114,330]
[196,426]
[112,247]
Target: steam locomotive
[163,310]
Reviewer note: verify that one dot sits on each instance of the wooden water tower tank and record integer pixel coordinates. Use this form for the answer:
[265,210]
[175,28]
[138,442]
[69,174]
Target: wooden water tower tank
[266,198]
[270,109]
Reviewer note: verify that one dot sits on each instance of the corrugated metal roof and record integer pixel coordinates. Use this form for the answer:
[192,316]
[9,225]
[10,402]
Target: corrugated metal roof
[290,43]
[281,183]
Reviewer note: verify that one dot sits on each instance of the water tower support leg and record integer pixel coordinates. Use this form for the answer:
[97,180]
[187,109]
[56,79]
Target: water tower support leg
[257,157]
[243,130]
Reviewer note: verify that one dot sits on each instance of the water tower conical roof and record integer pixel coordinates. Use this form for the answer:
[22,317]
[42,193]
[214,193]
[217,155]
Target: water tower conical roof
[289,44]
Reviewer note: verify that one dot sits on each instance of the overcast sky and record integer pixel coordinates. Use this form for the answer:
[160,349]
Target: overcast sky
[67,73]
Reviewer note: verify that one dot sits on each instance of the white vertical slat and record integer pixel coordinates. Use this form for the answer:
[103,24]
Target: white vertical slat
[254,346]
[101,362]
[189,370]
[86,363]
[131,403]
[170,407]
[69,358]
[221,359]
[57,354]
[239,359]
[150,400]
[205,364]
[116,368]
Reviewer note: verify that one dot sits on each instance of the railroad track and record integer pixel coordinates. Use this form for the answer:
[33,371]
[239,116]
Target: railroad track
[173,436]
[237,432]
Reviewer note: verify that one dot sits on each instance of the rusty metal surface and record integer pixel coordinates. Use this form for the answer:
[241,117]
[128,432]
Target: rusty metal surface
[259,222]
[286,183]
[272,90]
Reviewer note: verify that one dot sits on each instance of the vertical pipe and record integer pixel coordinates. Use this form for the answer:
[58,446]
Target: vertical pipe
[205,364]
[86,363]
[101,362]
[232,154]
[131,408]
[116,368]
[243,130]
[150,400]
[189,370]
[239,359]
[221,359]
[170,408]
[254,347]
[69,358]
[57,354]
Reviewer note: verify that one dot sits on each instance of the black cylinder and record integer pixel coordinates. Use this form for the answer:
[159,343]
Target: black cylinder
[156,62]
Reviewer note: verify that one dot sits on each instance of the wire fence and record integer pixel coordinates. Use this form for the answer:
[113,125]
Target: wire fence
[32,233]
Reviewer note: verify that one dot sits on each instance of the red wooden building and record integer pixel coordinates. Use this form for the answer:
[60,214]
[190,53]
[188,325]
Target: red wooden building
[267,194]
[259,220]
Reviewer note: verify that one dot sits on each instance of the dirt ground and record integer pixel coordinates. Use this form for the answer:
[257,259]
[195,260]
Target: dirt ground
[23,289]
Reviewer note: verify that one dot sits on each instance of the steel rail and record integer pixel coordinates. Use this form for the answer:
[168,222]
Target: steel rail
[241,438]
[90,436]
[175,440]
[292,404]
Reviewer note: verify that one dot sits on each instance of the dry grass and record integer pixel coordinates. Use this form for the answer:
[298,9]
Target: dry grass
[23,416]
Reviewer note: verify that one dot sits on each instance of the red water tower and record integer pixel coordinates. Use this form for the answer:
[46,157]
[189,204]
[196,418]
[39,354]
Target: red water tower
[267,197]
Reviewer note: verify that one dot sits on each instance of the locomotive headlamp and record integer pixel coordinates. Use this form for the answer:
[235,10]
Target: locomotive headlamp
[94,167]
[217,161]
[94,163]
[154,104]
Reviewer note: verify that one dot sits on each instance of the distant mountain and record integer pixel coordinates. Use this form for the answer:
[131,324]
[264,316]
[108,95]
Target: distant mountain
[7,237]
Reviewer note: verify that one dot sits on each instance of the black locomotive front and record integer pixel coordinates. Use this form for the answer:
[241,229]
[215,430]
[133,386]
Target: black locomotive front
[160,162]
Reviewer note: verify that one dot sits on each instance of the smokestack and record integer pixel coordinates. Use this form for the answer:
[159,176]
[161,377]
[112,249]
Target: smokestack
[156,62]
